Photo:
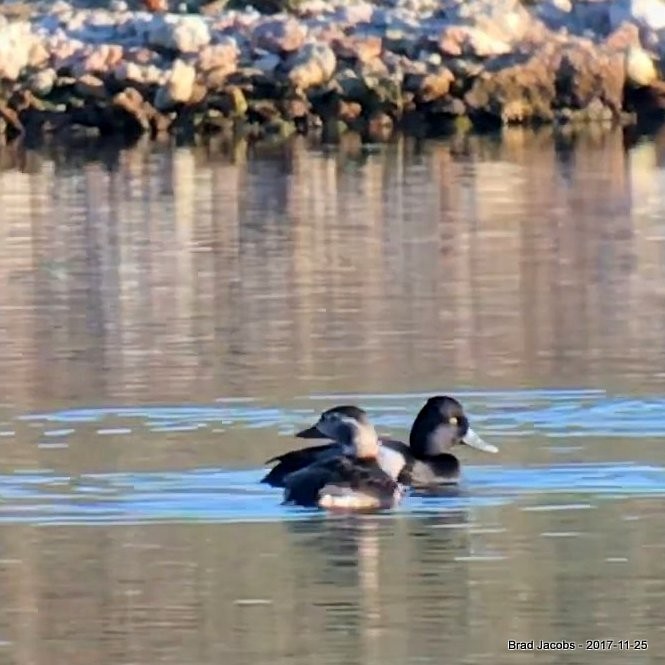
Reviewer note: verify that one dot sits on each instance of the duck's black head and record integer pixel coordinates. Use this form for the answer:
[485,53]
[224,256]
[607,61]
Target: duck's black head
[440,425]
[328,424]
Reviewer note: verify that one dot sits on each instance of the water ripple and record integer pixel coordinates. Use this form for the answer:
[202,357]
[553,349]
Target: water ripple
[44,497]
[553,413]
[218,495]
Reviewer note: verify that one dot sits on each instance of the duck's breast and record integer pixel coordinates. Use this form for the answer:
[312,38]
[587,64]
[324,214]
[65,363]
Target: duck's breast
[392,457]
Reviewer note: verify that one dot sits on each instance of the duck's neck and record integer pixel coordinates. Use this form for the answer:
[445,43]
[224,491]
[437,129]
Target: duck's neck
[365,442]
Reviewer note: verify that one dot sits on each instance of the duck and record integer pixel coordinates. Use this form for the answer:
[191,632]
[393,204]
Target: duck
[440,425]
[348,476]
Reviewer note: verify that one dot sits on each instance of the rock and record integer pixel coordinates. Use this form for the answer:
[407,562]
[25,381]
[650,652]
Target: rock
[38,55]
[223,55]
[10,118]
[640,68]
[63,51]
[179,87]
[501,20]
[623,38]
[296,108]
[460,40]
[99,59]
[232,102]
[262,110]
[351,86]
[91,86]
[132,104]
[216,78]
[267,63]
[585,73]
[133,73]
[379,127]
[199,93]
[20,100]
[279,35]
[520,91]
[364,48]
[269,6]
[16,42]
[156,5]
[313,65]
[570,74]
[142,56]
[431,86]
[352,14]
[41,83]
[186,34]
[350,112]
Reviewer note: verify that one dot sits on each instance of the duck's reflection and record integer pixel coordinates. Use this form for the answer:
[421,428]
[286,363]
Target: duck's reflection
[380,576]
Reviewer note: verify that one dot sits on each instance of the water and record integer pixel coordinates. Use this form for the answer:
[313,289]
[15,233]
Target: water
[169,317]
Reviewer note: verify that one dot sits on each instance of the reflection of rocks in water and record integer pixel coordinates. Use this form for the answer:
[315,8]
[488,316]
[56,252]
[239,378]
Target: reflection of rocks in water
[485,261]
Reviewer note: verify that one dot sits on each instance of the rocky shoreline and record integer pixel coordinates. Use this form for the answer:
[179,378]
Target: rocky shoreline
[422,66]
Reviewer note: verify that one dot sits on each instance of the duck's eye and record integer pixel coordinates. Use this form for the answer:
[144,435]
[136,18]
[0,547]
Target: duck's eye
[452,420]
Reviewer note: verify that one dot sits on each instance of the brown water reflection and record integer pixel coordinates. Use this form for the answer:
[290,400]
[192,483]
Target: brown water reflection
[368,591]
[186,273]
[159,275]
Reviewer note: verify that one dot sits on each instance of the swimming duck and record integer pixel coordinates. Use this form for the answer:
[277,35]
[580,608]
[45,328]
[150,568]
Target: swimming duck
[350,478]
[440,425]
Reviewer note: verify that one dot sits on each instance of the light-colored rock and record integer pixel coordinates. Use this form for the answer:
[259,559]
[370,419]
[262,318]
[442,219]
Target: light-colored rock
[279,34]
[132,103]
[364,48]
[313,65]
[61,7]
[63,50]
[430,86]
[38,54]
[16,42]
[623,38]
[98,59]
[457,40]
[133,73]
[178,88]
[41,82]
[503,20]
[186,34]
[223,55]
[352,14]
[640,68]
[216,78]
[90,86]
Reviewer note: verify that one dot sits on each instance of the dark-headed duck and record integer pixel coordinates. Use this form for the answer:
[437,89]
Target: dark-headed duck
[439,426]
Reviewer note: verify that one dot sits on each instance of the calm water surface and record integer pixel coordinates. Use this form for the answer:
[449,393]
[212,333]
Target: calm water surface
[169,317]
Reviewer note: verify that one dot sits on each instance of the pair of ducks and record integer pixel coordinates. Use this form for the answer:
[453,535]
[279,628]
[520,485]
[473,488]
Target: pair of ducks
[360,471]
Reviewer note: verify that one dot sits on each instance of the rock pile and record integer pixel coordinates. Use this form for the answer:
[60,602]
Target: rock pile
[330,65]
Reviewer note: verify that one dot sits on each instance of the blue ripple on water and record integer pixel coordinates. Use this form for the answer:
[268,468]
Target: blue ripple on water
[551,413]
[218,495]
